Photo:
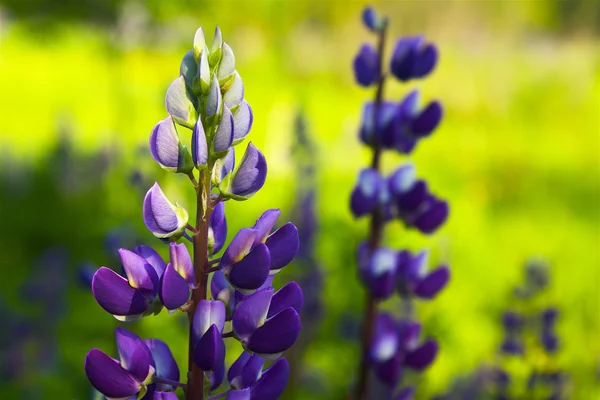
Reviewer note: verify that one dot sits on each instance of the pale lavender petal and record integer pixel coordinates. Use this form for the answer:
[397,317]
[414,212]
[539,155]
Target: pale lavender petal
[265,223]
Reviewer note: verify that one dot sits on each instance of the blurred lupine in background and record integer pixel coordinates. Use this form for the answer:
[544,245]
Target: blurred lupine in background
[309,270]
[391,345]
[526,364]
[207,109]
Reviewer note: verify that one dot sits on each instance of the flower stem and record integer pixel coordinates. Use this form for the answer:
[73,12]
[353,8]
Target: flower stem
[203,209]
[170,382]
[376,231]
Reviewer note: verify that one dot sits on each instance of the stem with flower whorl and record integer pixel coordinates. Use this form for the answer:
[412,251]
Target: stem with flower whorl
[377,224]
[195,374]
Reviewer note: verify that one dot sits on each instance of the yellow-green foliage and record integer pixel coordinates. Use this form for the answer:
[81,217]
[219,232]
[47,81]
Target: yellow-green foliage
[517,155]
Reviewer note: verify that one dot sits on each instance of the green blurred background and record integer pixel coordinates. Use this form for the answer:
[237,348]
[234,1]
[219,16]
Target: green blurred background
[517,155]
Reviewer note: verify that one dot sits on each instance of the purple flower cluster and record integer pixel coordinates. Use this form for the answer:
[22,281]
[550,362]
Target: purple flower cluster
[206,103]
[390,344]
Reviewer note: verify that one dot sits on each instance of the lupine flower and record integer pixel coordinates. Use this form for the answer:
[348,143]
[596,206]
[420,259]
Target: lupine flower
[207,327]
[372,20]
[412,276]
[178,278]
[163,218]
[163,363]
[369,193]
[250,382]
[396,345]
[217,230]
[167,150]
[253,254]
[267,323]
[248,178]
[399,126]
[125,378]
[179,104]
[396,126]
[413,58]
[129,298]
[366,65]
[548,337]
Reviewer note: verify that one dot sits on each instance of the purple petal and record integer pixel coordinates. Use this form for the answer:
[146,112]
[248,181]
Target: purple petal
[209,352]
[425,61]
[240,246]
[366,194]
[245,371]
[402,180]
[273,381]
[427,120]
[164,144]
[435,281]
[174,291]
[220,289]
[276,335]
[224,136]
[228,163]
[390,371]
[407,393]
[108,377]
[436,214]
[218,227]
[164,363]
[403,58]
[214,101]
[265,223]
[252,272]
[140,273]
[134,354]
[288,296]
[207,314]
[367,65]
[182,262]
[216,377]
[164,396]
[159,214]
[114,294]
[412,199]
[235,94]
[251,313]
[199,145]
[408,334]
[283,246]
[381,272]
[178,103]
[242,122]
[385,343]
[239,395]
[423,356]
[152,258]
[250,175]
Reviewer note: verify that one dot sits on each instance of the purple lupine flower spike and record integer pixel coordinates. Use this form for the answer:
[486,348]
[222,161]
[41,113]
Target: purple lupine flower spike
[167,150]
[367,66]
[248,178]
[163,218]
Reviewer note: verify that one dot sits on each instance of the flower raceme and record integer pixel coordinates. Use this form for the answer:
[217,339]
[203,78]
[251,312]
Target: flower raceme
[388,346]
[206,109]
